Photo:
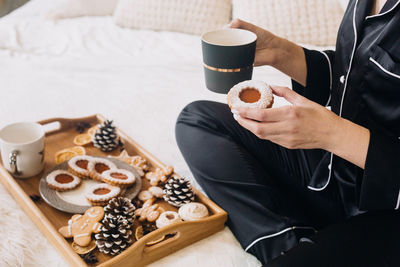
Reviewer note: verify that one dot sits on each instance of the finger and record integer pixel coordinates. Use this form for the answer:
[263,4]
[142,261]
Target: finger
[263,115]
[261,130]
[288,94]
[240,24]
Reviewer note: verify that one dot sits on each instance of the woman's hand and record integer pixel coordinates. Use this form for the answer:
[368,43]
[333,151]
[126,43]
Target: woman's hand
[277,52]
[267,43]
[307,125]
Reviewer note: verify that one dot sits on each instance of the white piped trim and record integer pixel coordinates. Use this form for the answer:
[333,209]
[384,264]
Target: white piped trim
[398,201]
[384,13]
[384,70]
[330,76]
[276,234]
[344,92]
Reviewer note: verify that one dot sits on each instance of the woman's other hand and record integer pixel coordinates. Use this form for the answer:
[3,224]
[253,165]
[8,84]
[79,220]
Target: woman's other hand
[277,52]
[266,42]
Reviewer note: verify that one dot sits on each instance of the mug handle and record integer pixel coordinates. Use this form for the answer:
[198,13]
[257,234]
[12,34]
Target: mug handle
[13,162]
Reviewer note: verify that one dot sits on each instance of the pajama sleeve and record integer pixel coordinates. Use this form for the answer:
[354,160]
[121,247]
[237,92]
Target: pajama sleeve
[319,76]
[379,185]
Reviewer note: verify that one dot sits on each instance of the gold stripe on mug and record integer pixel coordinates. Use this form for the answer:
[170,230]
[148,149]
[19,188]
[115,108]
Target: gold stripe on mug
[225,70]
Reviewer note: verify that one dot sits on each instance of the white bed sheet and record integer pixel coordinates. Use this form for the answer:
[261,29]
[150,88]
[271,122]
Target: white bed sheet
[78,67]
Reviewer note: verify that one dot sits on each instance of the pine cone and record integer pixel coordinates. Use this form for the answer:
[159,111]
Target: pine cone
[106,137]
[178,191]
[121,206]
[115,235]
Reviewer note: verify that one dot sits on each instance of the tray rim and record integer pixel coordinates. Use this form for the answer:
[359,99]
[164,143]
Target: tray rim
[60,243]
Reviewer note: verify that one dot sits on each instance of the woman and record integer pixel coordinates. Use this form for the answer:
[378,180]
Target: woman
[285,174]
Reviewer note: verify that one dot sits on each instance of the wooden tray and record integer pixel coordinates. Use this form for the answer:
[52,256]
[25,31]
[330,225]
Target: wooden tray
[49,220]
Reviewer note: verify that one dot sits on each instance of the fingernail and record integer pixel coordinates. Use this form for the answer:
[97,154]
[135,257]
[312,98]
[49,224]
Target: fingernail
[236,116]
[234,111]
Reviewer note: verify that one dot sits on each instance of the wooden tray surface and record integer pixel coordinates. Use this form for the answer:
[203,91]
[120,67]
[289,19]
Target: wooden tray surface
[49,219]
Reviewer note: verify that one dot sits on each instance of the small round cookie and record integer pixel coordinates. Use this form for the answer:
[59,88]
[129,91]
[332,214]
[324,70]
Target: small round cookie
[145,195]
[79,166]
[99,165]
[100,194]
[167,218]
[193,211]
[156,191]
[118,177]
[61,180]
[251,94]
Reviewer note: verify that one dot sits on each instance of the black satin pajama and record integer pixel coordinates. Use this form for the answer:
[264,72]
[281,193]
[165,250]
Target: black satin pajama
[277,197]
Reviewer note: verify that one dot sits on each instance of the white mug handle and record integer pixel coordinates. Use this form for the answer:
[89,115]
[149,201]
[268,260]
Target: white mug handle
[13,162]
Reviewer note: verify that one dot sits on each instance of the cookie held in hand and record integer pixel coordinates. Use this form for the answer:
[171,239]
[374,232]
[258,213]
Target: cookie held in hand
[251,94]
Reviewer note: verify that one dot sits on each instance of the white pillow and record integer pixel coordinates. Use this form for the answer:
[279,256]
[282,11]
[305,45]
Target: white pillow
[187,16]
[78,8]
[303,21]
[344,3]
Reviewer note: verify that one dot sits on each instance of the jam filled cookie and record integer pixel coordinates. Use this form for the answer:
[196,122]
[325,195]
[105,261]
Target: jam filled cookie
[167,218]
[79,166]
[251,94]
[61,180]
[97,166]
[193,211]
[118,177]
[100,194]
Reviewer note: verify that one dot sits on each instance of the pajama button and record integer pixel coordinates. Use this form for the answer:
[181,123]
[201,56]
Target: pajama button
[342,79]
[329,166]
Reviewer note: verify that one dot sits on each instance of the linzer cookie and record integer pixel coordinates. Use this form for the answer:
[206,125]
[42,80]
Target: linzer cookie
[99,165]
[251,94]
[79,166]
[61,180]
[100,194]
[118,177]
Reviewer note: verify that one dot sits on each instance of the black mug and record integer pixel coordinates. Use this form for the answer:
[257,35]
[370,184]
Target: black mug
[228,58]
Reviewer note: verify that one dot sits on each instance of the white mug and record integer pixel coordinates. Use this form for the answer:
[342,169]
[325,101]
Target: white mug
[22,148]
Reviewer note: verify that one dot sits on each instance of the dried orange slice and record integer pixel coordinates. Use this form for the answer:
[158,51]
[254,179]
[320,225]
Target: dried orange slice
[69,153]
[62,156]
[83,250]
[92,130]
[82,139]
[80,150]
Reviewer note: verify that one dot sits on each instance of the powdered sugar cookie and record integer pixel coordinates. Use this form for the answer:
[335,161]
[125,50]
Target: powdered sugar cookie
[252,94]
[61,180]
[167,218]
[156,191]
[118,177]
[193,211]
[99,165]
[79,166]
[100,194]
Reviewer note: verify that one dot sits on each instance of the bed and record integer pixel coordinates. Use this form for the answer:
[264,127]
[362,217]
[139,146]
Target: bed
[82,66]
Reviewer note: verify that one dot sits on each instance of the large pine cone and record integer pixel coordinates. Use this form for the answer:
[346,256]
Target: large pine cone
[178,191]
[115,235]
[120,206]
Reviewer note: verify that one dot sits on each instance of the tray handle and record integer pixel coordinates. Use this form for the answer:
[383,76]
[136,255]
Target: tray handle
[179,231]
[63,123]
